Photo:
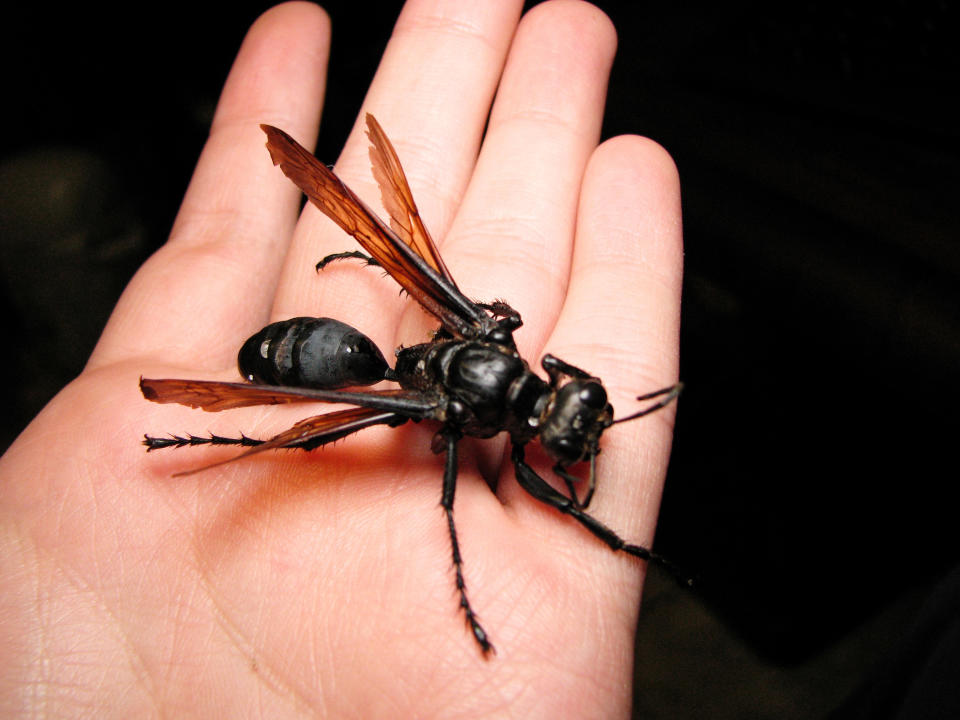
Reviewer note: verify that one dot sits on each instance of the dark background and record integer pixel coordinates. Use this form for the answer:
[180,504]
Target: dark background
[812,482]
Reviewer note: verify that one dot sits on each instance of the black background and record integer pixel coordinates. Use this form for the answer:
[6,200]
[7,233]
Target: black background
[812,481]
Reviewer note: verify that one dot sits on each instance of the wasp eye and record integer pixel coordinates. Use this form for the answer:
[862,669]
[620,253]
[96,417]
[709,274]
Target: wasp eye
[593,395]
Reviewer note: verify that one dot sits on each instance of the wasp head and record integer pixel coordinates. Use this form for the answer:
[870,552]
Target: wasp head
[574,421]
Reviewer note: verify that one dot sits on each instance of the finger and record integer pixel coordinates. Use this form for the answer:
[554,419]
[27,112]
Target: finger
[513,236]
[212,283]
[620,318]
[431,94]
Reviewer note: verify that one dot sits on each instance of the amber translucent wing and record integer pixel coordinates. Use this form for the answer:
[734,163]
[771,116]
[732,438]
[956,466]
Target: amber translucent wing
[315,431]
[398,199]
[428,286]
[214,396]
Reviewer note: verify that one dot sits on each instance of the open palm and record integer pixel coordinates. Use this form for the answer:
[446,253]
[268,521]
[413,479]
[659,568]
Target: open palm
[320,583]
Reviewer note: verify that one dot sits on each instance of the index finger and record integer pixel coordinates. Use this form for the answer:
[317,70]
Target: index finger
[213,282]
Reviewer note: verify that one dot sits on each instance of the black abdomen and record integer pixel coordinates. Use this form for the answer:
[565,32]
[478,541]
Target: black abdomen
[312,353]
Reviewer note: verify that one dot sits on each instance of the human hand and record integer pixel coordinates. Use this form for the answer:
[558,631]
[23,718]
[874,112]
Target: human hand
[319,583]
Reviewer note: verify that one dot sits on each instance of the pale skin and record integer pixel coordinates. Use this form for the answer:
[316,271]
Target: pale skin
[319,584]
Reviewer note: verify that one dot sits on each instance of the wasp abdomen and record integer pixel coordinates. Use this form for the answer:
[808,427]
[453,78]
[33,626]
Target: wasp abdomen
[311,352]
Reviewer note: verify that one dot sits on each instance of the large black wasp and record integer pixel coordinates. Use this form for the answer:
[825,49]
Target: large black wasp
[469,377]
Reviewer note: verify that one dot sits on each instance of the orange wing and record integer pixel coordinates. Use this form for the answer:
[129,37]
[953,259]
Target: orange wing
[398,199]
[413,271]
[214,396]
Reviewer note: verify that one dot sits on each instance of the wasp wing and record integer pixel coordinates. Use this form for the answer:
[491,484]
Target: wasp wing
[398,199]
[214,396]
[316,431]
[413,272]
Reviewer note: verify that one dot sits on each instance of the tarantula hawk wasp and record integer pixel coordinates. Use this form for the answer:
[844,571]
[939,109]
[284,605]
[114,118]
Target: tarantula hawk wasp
[469,378]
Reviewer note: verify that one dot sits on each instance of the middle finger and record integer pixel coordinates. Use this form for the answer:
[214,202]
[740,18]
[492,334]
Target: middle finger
[513,235]
[431,94]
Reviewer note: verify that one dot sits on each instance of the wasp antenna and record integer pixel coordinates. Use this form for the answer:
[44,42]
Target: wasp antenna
[669,395]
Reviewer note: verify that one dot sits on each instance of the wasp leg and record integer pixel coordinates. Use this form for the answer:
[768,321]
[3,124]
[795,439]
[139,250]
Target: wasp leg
[501,309]
[307,434]
[572,480]
[156,443]
[542,491]
[571,483]
[449,488]
[556,368]
[345,256]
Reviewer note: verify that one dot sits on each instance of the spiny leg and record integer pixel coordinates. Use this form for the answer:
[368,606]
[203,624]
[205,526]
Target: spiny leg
[544,492]
[157,443]
[308,434]
[449,489]
[352,254]
[501,309]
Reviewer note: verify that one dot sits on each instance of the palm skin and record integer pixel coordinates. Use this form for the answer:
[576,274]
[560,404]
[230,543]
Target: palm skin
[319,584]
